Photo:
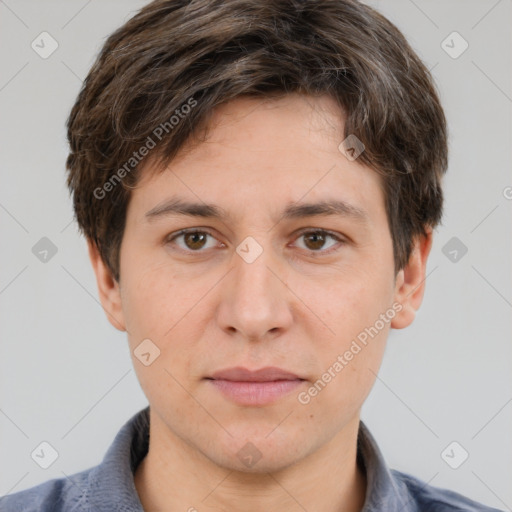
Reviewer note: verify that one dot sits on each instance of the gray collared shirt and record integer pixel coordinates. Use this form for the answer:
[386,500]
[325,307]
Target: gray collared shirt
[109,486]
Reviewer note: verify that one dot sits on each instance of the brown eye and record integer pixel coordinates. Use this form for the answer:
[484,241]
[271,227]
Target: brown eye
[316,240]
[192,241]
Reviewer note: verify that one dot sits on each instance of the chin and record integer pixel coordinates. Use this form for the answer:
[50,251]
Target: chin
[257,452]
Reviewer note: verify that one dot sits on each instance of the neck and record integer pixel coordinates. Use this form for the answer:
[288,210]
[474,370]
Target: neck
[174,476]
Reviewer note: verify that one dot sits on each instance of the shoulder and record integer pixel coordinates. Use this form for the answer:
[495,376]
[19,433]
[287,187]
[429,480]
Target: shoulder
[428,498]
[57,495]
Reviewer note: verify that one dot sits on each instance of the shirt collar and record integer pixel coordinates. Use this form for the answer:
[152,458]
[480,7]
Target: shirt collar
[111,484]
[383,491]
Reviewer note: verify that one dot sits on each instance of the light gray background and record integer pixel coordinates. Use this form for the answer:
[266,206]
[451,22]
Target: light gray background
[65,373]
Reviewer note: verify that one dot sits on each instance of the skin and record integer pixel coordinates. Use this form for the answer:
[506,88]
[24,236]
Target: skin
[298,306]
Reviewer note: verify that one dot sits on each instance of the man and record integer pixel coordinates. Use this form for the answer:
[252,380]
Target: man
[258,183]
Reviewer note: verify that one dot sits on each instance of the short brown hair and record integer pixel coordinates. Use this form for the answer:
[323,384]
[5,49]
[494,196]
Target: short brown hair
[201,53]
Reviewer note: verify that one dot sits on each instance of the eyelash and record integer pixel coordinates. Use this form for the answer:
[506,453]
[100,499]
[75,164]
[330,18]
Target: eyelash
[173,237]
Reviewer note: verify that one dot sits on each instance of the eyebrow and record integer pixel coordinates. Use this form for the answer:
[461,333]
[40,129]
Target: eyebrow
[178,206]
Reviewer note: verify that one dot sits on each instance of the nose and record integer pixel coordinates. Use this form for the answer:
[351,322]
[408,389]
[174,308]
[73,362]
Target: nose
[256,301]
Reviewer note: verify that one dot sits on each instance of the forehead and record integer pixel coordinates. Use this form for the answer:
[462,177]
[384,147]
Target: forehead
[265,152]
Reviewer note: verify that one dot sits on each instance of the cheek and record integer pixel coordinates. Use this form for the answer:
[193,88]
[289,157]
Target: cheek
[157,308]
[155,298]
[346,301]
[350,355]
[167,308]
[348,371]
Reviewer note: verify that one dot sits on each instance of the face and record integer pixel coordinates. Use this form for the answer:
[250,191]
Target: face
[305,294]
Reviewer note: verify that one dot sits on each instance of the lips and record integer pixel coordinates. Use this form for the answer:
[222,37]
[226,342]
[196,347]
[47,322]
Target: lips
[268,374]
[255,388]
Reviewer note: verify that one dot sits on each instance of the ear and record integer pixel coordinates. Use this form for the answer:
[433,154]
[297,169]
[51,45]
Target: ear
[108,289]
[410,281]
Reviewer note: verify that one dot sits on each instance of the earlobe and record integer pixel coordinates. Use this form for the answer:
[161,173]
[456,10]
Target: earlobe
[108,289]
[410,281]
